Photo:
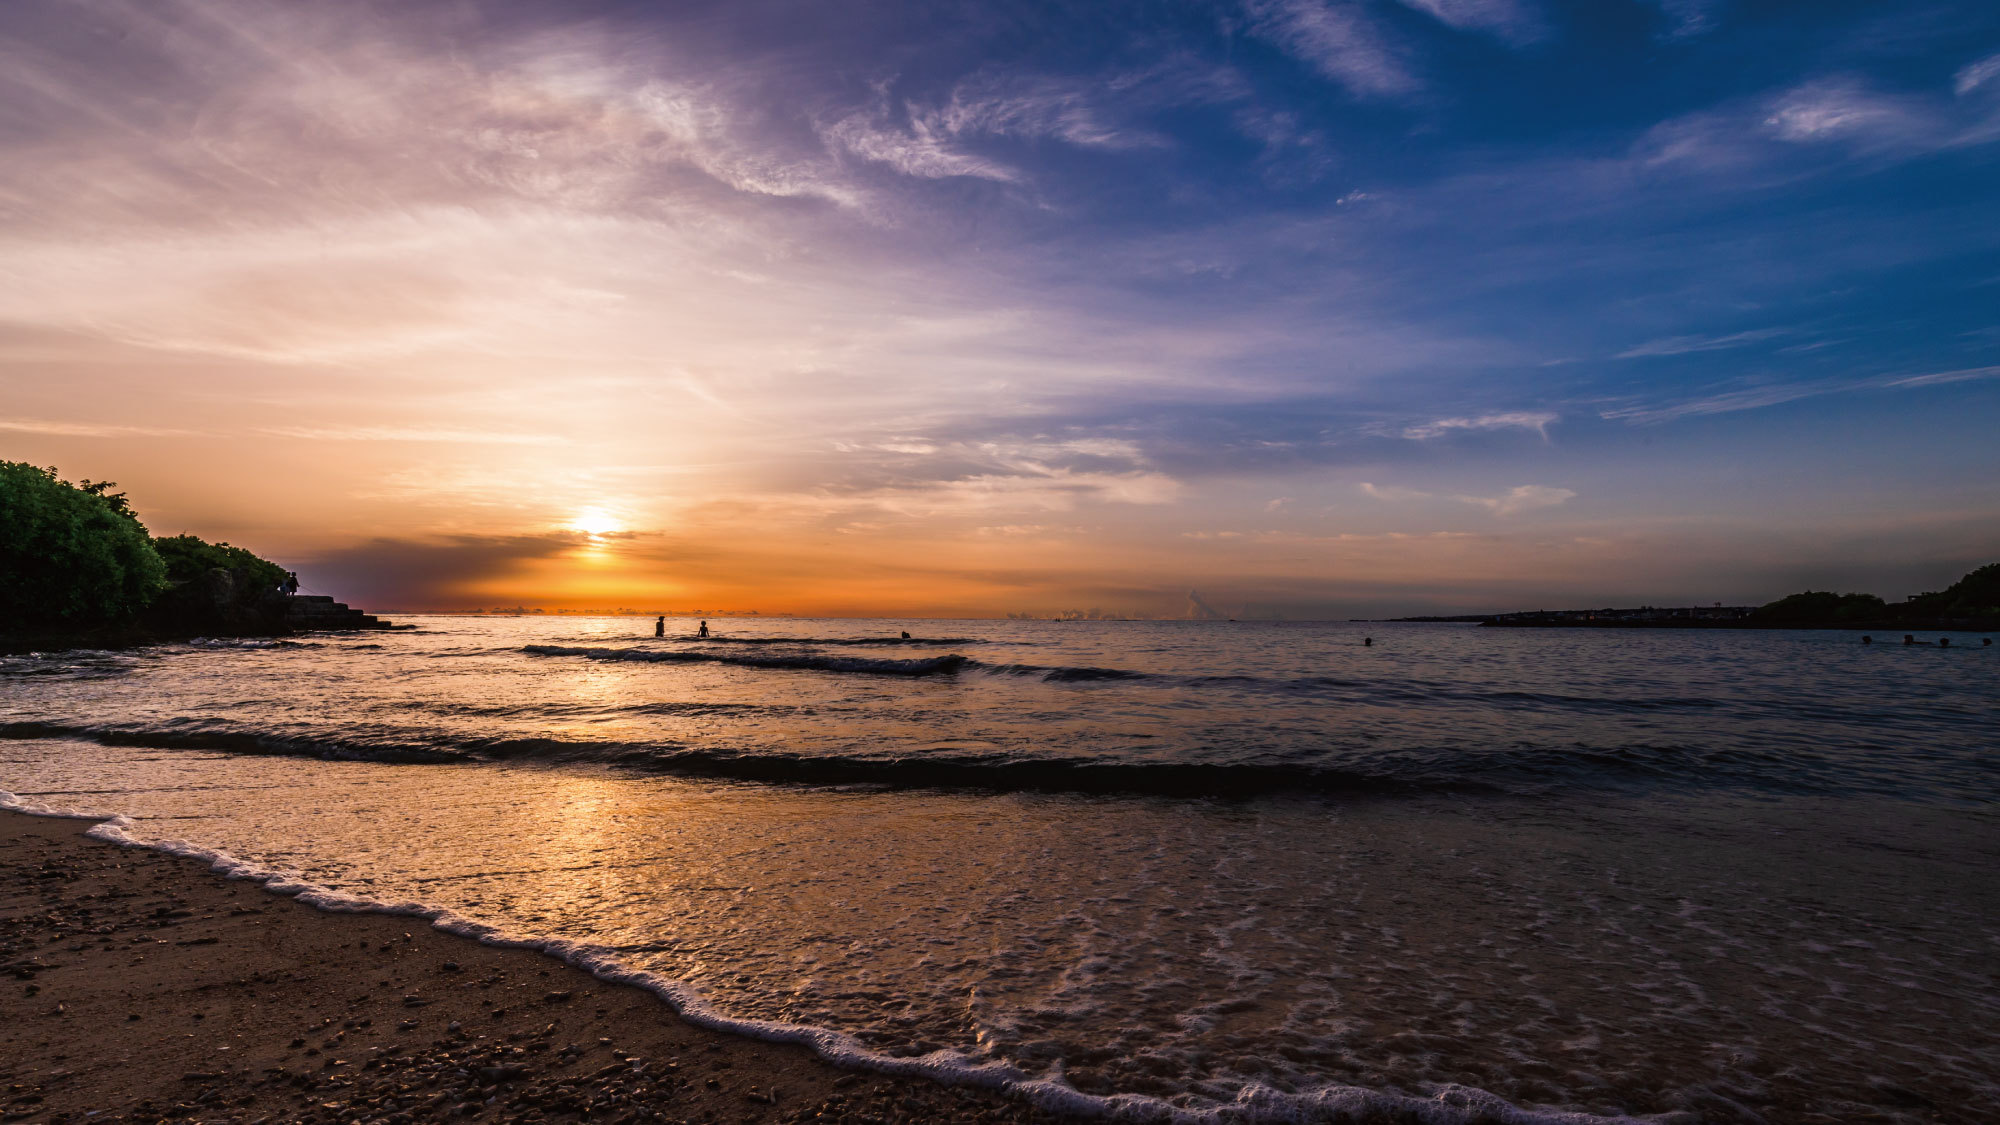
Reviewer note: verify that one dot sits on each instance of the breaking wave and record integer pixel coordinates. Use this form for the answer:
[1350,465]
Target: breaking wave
[1522,769]
[932,666]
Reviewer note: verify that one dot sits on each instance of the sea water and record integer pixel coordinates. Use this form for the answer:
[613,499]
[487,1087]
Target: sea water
[1247,871]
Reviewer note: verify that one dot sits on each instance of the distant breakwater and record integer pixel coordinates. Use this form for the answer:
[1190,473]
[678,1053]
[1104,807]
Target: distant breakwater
[1946,625]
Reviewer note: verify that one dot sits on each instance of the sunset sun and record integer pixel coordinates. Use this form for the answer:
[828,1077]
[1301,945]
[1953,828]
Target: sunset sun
[596,522]
[1000,561]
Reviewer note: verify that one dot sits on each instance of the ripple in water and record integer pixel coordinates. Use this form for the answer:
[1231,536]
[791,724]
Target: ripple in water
[1736,876]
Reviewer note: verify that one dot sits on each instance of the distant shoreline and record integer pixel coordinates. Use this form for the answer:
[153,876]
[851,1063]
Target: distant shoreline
[1949,626]
[1511,621]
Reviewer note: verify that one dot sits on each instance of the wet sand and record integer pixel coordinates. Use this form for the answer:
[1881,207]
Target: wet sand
[143,987]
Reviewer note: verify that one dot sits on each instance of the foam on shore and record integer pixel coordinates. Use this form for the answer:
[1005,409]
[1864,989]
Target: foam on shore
[1254,1104]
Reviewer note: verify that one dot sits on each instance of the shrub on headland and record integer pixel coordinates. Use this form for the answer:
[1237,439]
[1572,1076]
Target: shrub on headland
[1824,605]
[70,556]
[1973,598]
[76,564]
[189,557]
[1975,595]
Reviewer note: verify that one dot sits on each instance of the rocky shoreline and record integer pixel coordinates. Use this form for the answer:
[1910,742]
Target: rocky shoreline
[143,987]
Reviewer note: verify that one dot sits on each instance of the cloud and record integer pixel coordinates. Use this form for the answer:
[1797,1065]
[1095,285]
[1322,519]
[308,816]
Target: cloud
[388,433]
[920,148]
[293,112]
[1338,40]
[1687,19]
[1521,498]
[1025,474]
[403,573]
[1035,107]
[1976,75]
[1538,421]
[1684,345]
[1511,21]
[83,429]
[1198,608]
[929,140]
[1940,378]
[1391,493]
[1843,109]
[1758,396]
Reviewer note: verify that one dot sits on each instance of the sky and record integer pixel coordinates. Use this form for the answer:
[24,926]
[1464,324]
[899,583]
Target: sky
[1260,308]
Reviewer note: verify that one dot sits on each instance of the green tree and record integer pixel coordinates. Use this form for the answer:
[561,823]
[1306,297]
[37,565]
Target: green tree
[70,557]
[188,557]
[1818,606]
[1975,595]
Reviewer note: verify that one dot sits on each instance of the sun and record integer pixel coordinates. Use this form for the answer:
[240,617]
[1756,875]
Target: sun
[595,522]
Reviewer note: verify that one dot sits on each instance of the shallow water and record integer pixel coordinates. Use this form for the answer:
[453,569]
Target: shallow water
[1236,868]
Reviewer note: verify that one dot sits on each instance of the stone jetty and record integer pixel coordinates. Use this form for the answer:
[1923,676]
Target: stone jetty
[318,611]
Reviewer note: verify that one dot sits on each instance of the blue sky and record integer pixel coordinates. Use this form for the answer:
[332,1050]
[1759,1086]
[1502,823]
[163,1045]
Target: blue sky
[1323,307]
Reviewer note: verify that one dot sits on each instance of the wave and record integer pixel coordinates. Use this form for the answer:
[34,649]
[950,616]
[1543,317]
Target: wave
[578,710]
[837,642]
[1337,690]
[1254,1104]
[932,666]
[867,666]
[1522,770]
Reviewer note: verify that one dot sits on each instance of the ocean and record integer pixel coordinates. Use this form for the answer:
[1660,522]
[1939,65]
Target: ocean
[1180,870]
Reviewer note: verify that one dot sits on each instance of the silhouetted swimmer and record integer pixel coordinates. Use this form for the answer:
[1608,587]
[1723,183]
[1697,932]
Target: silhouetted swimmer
[703,631]
[906,634]
[660,626]
[1908,639]
[1944,642]
[1368,642]
[1868,640]
[1987,641]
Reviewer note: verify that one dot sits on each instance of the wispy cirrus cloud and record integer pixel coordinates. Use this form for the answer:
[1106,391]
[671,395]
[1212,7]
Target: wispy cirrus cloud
[1976,75]
[1390,493]
[1512,21]
[1845,109]
[934,140]
[915,146]
[1059,109]
[1514,501]
[1521,498]
[1686,345]
[1688,19]
[411,434]
[1537,420]
[53,428]
[1756,396]
[1339,40]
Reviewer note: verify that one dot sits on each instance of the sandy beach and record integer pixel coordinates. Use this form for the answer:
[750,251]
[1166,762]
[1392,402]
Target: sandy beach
[145,987]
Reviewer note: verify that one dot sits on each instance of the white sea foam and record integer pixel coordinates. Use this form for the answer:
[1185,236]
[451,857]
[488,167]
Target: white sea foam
[1254,1104]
